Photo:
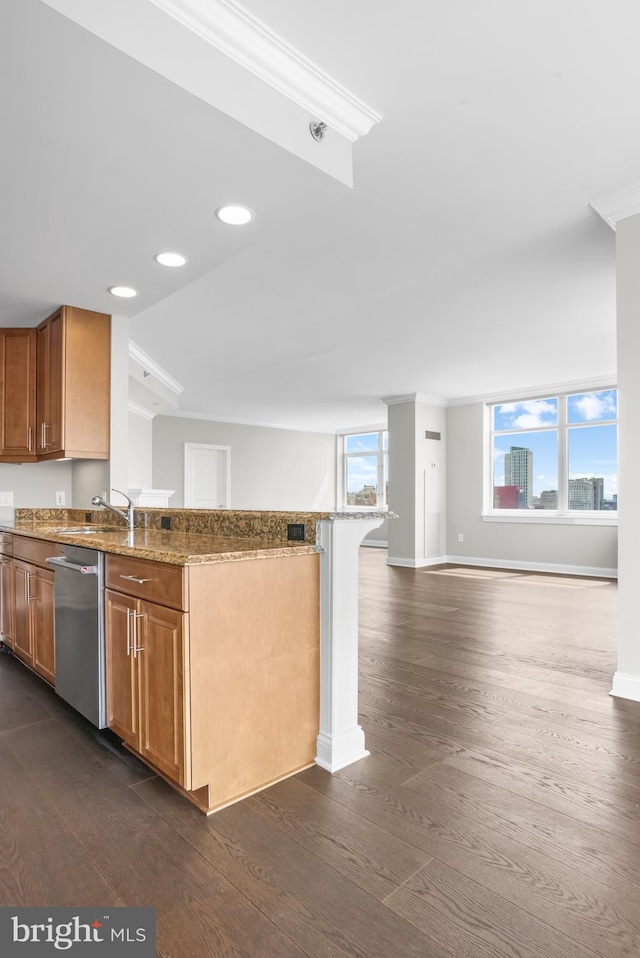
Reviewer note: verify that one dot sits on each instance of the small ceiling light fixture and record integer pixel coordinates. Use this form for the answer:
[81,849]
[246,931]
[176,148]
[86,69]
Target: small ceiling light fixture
[126,292]
[170,259]
[234,215]
[318,129]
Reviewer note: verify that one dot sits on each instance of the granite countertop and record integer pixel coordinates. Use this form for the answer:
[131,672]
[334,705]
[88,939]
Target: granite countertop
[176,548]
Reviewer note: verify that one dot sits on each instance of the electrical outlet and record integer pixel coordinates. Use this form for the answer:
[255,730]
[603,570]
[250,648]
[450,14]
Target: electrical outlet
[6,498]
[60,498]
[460,537]
[296,531]
[165,522]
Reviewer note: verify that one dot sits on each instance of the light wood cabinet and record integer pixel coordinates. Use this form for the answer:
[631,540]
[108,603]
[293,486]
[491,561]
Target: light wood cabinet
[22,615]
[6,601]
[221,695]
[73,374]
[17,395]
[44,649]
[31,587]
[145,680]
[6,589]
[33,620]
[55,388]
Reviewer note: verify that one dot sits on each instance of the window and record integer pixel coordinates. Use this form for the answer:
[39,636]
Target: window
[556,455]
[366,470]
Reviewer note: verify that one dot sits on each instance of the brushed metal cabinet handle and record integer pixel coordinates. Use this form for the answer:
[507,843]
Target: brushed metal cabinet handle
[136,648]
[134,578]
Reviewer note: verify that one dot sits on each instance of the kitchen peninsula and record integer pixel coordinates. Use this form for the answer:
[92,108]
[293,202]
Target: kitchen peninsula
[216,672]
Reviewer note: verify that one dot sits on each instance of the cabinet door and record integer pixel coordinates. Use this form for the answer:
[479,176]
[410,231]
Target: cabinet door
[122,675]
[17,394]
[23,576]
[43,384]
[6,601]
[43,645]
[54,430]
[49,383]
[159,654]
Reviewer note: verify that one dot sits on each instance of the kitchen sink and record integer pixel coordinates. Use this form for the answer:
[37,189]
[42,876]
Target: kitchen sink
[81,530]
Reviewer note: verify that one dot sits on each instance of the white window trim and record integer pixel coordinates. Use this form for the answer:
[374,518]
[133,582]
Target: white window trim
[342,458]
[542,516]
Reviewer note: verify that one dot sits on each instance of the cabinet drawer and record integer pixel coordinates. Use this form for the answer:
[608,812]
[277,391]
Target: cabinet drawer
[156,581]
[35,550]
[6,544]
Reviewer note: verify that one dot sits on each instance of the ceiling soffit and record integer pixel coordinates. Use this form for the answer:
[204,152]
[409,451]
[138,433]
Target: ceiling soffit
[218,52]
[234,31]
[618,206]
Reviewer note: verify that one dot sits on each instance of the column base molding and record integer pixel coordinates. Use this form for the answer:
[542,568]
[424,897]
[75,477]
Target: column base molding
[338,751]
[626,686]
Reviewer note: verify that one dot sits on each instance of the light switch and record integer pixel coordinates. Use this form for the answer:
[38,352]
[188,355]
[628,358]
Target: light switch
[6,498]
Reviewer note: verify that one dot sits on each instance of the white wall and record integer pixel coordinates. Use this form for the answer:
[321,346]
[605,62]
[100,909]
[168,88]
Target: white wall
[270,468]
[140,451]
[584,547]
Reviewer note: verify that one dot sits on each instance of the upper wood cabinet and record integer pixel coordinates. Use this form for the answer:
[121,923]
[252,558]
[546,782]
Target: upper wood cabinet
[73,378]
[17,395]
[55,388]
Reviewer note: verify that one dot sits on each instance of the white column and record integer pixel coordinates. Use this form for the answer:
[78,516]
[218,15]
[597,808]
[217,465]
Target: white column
[417,480]
[626,681]
[341,739]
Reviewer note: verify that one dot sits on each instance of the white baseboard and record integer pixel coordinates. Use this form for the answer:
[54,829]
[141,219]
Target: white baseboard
[375,543]
[534,566]
[626,686]
[416,563]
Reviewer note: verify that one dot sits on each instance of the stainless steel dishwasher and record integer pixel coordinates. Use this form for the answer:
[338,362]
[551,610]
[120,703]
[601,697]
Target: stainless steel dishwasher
[79,631]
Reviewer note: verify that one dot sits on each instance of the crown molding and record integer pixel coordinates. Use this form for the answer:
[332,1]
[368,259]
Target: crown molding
[618,206]
[540,392]
[356,430]
[415,397]
[141,411]
[211,417]
[139,356]
[232,30]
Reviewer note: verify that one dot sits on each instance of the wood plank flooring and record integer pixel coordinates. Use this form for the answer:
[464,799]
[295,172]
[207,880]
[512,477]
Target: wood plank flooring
[498,815]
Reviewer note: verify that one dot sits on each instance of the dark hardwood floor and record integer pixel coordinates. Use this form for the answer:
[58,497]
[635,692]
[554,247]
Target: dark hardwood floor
[497,815]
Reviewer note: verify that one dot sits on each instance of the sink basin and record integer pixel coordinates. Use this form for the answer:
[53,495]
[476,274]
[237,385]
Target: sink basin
[77,532]
[82,530]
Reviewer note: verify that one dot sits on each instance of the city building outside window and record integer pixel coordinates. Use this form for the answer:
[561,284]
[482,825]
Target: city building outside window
[365,476]
[556,455]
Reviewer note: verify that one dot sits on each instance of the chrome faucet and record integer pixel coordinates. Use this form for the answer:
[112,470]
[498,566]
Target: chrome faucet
[99,501]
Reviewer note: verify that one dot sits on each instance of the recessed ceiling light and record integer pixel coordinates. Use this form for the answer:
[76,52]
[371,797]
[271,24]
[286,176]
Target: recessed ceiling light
[171,259]
[124,291]
[234,215]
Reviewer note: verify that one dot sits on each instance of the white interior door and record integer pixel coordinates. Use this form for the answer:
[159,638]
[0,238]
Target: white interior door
[207,475]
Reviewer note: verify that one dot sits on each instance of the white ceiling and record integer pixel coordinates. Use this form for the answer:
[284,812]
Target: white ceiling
[464,262]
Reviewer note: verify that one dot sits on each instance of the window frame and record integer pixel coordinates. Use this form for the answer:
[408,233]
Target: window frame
[561,515]
[343,457]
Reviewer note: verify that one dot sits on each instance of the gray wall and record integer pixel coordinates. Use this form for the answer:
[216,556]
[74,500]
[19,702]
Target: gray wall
[140,451]
[91,477]
[585,547]
[270,468]
[35,484]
